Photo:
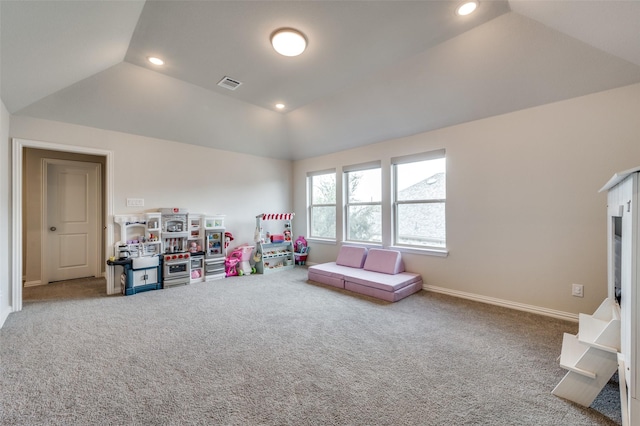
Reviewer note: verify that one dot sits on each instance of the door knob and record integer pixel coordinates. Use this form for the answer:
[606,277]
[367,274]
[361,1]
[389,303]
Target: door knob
[53,228]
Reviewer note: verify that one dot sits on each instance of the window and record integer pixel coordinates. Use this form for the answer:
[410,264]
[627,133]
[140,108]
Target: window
[419,200]
[322,205]
[364,203]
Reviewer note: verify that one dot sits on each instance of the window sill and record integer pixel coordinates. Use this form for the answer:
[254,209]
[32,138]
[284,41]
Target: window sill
[402,249]
[422,251]
[321,241]
[362,244]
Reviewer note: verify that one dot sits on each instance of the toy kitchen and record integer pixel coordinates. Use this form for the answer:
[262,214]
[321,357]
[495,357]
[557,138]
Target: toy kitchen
[176,269]
[164,249]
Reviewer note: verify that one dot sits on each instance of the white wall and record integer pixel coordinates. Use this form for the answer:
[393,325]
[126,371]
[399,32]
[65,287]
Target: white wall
[170,174]
[524,216]
[5,211]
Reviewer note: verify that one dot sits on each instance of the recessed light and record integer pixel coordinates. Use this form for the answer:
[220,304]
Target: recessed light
[466,7]
[155,61]
[288,42]
[280,106]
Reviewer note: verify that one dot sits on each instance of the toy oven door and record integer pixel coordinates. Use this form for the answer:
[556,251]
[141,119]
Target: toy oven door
[176,268]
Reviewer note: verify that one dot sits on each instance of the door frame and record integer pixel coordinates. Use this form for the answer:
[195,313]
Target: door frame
[44,237]
[16,209]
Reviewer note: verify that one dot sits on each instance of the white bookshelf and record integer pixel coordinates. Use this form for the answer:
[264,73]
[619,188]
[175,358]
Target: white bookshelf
[591,356]
[623,232]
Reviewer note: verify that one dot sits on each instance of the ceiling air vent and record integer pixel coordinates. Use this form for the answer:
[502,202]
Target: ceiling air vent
[229,83]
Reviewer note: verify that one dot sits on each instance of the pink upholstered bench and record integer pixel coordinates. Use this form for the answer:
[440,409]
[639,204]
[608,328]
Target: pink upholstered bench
[377,273]
[332,273]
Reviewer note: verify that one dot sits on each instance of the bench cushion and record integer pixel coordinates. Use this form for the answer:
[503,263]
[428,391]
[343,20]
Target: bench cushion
[382,294]
[329,269]
[332,280]
[386,282]
[385,261]
[351,256]
[328,273]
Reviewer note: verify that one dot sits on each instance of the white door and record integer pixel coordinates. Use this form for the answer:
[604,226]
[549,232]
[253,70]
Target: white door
[71,221]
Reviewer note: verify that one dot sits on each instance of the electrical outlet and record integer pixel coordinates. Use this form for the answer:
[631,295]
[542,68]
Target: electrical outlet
[135,202]
[577,290]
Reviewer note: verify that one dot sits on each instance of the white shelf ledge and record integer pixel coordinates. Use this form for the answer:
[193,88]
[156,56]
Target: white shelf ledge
[572,352]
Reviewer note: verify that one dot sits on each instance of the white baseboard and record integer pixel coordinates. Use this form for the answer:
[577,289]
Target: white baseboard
[4,314]
[504,303]
[32,283]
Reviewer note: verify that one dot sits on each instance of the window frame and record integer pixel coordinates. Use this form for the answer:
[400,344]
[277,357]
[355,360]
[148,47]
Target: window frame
[346,191]
[311,205]
[414,158]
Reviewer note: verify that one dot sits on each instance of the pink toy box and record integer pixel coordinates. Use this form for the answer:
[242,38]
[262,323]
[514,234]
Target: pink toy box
[277,238]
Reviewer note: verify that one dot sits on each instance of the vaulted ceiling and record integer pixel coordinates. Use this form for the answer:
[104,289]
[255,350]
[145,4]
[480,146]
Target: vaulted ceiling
[373,70]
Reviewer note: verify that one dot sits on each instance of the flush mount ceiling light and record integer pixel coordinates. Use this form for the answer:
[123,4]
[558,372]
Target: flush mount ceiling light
[280,106]
[155,61]
[466,8]
[288,42]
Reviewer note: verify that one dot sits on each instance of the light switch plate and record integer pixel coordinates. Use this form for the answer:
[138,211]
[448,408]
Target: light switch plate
[135,202]
[577,290]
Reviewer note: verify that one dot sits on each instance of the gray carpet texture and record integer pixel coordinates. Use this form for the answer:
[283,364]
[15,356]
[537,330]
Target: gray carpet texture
[279,350]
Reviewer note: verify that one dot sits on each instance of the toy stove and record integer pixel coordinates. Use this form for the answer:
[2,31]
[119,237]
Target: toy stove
[176,269]
[176,264]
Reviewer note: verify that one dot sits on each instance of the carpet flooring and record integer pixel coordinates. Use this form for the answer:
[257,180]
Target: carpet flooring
[279,350]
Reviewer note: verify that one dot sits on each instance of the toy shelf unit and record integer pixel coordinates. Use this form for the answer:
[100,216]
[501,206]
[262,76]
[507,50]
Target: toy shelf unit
[591,356]
[275,257]
[274,247]
[214,252]
[196,233]
[139,235]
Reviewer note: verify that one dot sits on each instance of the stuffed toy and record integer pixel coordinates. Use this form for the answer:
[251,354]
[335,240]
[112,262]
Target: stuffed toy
[227,239]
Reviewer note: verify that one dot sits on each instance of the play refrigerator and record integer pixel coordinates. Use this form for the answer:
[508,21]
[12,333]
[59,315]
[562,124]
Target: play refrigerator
[196,247]
[214,254]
